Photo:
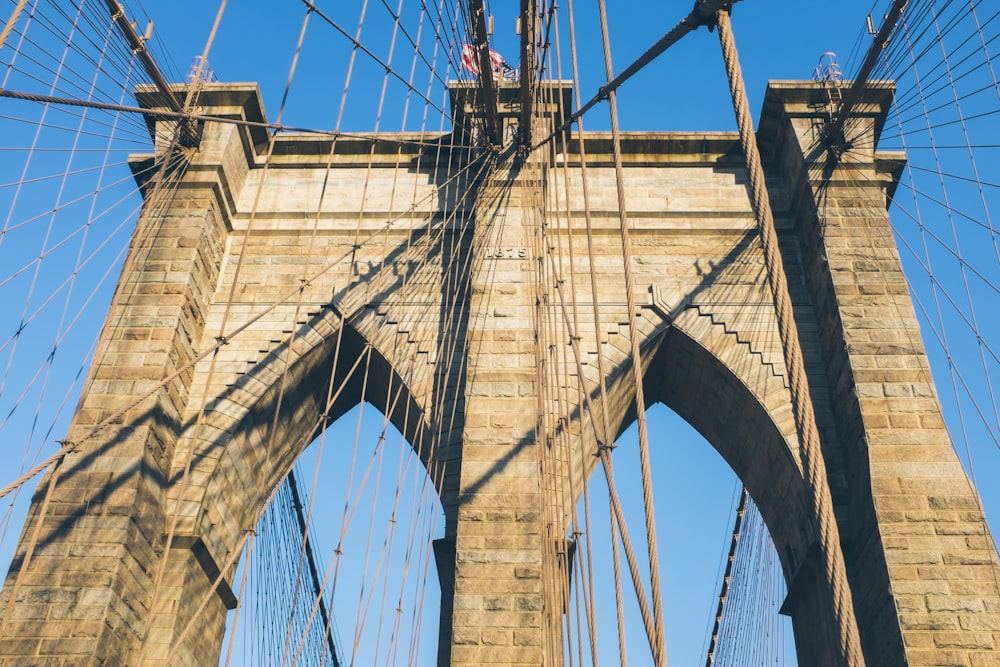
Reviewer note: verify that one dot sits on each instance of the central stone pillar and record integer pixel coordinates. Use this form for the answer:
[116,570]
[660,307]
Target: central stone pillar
[499,606]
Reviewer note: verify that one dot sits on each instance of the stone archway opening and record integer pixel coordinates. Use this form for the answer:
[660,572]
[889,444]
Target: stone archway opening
[696,494]
[372,511]
[726,398]
[329,385]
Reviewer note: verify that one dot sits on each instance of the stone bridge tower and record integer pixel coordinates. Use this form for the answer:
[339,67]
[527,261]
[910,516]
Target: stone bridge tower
[445,317]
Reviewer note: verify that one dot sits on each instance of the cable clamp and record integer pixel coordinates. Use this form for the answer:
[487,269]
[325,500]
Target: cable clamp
[602,447]
[68,445]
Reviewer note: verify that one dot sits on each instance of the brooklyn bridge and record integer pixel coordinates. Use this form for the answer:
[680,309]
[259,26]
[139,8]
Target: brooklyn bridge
[431,333]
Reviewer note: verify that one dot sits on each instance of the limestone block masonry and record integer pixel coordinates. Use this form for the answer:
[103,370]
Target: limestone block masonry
[429,266]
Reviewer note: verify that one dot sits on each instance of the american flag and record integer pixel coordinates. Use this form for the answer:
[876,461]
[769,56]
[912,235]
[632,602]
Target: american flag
[501,69]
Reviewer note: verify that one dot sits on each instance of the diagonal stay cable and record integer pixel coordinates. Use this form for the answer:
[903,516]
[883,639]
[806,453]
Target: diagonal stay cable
[161,114]
[658,643]
[956,372]
[813,463]
[361,47]
[943,243]
[702,14]
[853,96]
[70,446]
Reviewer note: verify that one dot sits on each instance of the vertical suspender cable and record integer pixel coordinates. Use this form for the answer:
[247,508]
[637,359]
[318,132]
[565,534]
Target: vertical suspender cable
[814,466]
[307,548]
[658,645]
[604,434]
[724,591]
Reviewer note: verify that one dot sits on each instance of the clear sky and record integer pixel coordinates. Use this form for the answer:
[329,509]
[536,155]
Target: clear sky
[685,89]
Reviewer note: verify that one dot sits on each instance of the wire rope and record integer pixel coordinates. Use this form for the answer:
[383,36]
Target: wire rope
[812,458]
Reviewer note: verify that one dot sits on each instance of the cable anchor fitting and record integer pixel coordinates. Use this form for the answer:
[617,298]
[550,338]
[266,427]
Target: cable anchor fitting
[69,445]
[604,447]
[705,12]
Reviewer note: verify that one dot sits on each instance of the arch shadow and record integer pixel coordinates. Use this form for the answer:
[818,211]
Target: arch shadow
[243,452]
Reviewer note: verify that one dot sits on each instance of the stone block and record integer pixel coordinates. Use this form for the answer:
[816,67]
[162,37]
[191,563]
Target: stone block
[978,641]
[937,658]
[984,659]
[465,637]
[955,604]
[497,638]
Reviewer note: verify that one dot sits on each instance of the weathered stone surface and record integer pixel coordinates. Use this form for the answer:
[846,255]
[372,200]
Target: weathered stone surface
[450,285]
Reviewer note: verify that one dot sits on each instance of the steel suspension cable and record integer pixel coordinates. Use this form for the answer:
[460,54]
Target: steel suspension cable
[223,343]
[602,434]
[584,556]
[12,21]
[982,41]
[965,280]
[334,566]
[703,10]
[938,330]
[240,597]
[385,241]
[359,627]
[227,565]
[159,114]
[814,466]
[63,329]
[659,647]
[938,289]
[340,328]
[36,138]
[58,460]
[957,377]
[20,41]
[310,557]
[359,46]
[604,452]
[205,353]
[199,421]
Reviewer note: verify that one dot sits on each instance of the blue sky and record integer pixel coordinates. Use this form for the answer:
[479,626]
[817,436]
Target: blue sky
[684,90]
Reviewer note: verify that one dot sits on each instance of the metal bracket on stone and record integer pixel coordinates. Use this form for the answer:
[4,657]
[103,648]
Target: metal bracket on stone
[833,134]
[189,130]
